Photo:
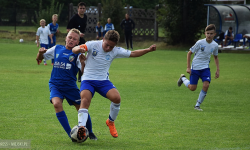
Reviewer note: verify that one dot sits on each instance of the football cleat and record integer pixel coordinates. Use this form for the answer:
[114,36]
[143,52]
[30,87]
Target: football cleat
[112,128]
[179,82]
[92,136]
[198,108]
[82,133]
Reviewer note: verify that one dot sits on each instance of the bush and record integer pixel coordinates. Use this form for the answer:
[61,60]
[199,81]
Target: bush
[183,21]
[48,12]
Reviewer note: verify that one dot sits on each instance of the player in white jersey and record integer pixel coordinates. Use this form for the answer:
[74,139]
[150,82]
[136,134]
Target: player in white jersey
[62,83]
[42,36]
[203,50]
[95,78]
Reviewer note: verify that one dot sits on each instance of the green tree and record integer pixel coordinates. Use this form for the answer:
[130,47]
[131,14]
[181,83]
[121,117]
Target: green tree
[114,10]
[48,12]
[183,21]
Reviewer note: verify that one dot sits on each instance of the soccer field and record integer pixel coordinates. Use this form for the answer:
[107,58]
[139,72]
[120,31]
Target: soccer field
[155,113]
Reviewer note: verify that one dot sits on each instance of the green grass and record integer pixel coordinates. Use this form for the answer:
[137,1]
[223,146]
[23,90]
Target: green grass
[155,113]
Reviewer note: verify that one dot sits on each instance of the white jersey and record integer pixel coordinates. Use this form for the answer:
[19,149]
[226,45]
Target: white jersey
[203,51]
[98,61]
[43,34]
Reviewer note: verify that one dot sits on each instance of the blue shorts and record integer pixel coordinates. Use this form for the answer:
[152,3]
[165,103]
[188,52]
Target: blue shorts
[44,45]
[71,95]
[204,74]
[102,87]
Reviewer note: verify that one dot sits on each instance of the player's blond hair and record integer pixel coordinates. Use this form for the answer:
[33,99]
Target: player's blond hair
[75,31]
[55,15]
[42,20]
[112,35]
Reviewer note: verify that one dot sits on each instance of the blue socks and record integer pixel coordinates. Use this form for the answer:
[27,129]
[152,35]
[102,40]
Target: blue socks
[61,116]
[201,97]
[89,124]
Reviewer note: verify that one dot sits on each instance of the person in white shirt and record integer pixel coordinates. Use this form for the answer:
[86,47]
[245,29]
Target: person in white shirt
[95,78]
[200,64]
[42,37]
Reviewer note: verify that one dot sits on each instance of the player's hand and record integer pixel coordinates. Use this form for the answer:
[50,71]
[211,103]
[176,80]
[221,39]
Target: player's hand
[51,41]
[82,48]
[152,47]
[217,74]
[188,70]
[37,44]
[82,58]
[42,50]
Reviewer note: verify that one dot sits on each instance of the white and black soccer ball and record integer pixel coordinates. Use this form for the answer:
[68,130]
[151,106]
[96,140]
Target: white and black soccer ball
[21,40]
[73,135]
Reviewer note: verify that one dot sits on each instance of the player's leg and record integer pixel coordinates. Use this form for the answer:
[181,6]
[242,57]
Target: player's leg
[46,47]
[60,114]
[87,92]
[88,124]
[114,96]
[130,39]
[126,39]
[190,84]
[225,42]
[206,78]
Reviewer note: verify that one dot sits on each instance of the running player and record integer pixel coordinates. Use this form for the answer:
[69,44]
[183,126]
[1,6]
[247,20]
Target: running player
[200,64]
[42,37]
[100,54]
[62,83]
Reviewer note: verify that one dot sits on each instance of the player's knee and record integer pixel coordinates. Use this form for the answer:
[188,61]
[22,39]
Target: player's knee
[205,85]
[57,104]
[192,88]
[116,99]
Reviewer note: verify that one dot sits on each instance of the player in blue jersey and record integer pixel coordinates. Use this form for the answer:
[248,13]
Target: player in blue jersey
[108,26]
[200,64]
[62,83]
[42,37]
[100,54]
[99,31]
[53,27]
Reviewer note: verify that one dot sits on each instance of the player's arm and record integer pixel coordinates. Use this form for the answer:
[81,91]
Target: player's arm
[138,53]
[51,39]
[80,49]
[40,53]
[37,40]
[188,62]
[217,73]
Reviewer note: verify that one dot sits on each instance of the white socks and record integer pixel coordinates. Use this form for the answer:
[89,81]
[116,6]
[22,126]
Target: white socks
[82,117]
[185,81]
[114,110]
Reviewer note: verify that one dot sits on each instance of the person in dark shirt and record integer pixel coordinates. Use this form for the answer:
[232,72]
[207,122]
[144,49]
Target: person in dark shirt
[79,21]
[128,25]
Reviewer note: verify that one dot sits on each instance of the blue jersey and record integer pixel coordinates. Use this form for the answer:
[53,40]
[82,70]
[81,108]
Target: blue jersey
[65,67]
[99,30]
[109,26]
[53,28]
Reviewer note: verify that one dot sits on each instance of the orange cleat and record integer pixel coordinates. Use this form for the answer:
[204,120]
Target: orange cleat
[112,128]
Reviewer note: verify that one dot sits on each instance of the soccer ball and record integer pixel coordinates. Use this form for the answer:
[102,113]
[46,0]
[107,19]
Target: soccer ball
[35,41]
[21,40]
[73,135]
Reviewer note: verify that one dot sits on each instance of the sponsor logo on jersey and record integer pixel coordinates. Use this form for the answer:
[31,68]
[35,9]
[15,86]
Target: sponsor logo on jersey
[68,66]
[108,57]
[71,58]
[62,65]
[65,54]
[203,48]
[94,53]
